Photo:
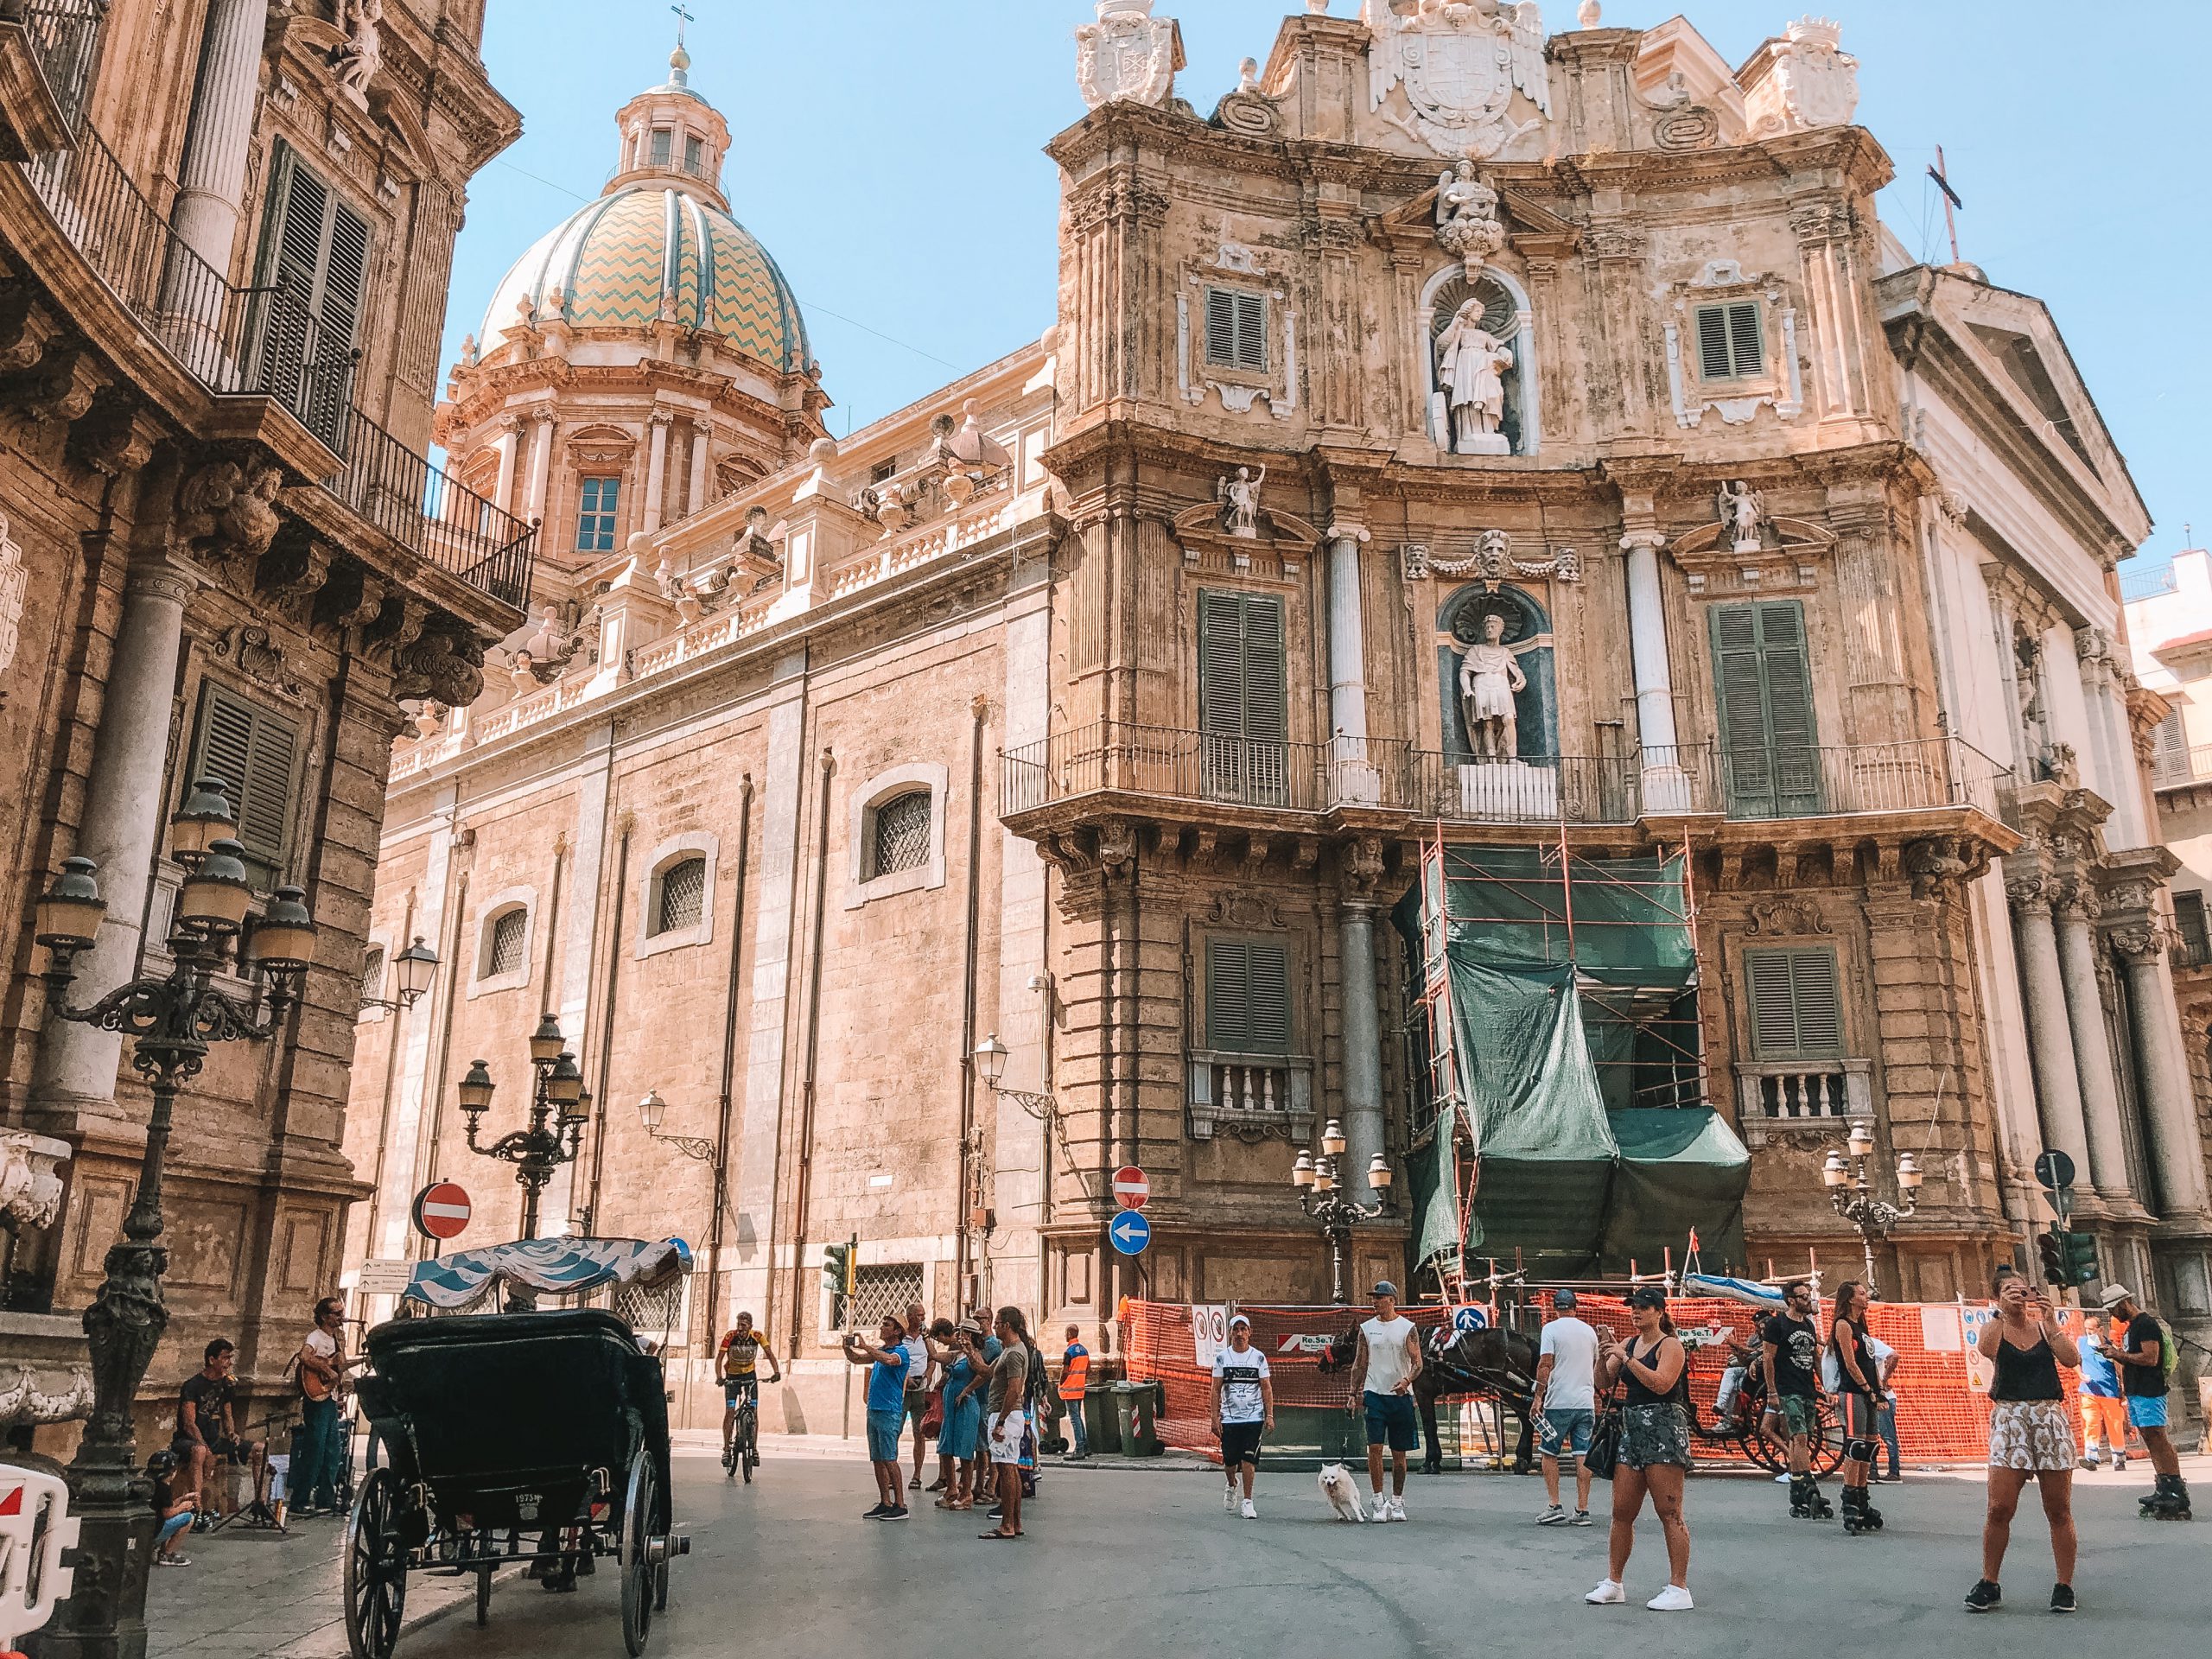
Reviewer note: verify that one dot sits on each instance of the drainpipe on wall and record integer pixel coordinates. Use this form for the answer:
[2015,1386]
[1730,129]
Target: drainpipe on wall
[727,1104]
[606,1026]
[813,1050]
[972,1151]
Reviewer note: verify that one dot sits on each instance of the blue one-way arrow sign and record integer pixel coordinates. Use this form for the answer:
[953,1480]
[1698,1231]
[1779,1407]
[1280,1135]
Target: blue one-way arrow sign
[1130,1232]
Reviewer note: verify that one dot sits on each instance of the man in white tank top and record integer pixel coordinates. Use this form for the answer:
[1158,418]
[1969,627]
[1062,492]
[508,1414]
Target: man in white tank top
[1382,1385]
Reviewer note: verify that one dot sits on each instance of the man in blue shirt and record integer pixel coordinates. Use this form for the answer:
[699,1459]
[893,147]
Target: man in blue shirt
[2104,1415]
[886,1410]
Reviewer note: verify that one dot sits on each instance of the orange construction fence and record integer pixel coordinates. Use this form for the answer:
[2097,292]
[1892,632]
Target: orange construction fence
[1941,1383]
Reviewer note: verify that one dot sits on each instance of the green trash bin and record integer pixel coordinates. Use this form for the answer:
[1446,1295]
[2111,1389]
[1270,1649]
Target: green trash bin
[1136,1410]
[1101,1419]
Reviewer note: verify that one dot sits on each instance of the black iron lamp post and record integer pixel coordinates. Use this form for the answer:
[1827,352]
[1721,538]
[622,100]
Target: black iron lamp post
[557,1115]
[1853,1193]
[413,969]
[172,1021]
[652,1109]
[1319,1196]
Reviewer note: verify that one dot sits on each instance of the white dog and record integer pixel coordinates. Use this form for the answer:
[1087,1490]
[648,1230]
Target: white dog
[1342,1496]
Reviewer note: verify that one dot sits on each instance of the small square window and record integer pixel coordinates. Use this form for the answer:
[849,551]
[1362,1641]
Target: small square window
[1730,343]
[683,896]
[901,837]
[1236,329]
[510,936]
[694,155]
[663,146]
[598,505]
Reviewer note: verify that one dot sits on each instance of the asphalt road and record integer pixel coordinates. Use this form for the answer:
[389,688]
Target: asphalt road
[1144,1563]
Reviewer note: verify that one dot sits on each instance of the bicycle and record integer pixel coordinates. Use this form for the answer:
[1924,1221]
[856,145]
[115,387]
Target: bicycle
[743,1452]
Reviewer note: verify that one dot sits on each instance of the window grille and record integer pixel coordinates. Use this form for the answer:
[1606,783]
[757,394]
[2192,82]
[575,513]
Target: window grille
[371,974]
[595,513]
[509,932]
[1236,329]
[899,839]
[683,896]
[1796,1008]
[656,1311]
[694,155]
[2190,921]
[1729,344]
[879,1292]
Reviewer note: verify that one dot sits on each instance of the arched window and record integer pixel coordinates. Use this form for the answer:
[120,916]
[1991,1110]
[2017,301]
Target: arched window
[682,896]
[372,973]
[899,835]
[509,938]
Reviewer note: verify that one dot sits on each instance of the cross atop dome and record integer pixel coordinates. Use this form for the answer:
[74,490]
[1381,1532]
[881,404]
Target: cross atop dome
[679,61]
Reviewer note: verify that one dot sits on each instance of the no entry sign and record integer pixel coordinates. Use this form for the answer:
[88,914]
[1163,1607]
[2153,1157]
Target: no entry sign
[442,1211]
[1131,1187]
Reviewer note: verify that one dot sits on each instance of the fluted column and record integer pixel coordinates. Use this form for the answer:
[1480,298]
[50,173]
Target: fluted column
[122,824]
[2073,916]
[2177,1146]
[702,445]
[1355,776]
[656,472]
[211,184]
[1666,786]
[541,461]
[2050,1042]
[509,438]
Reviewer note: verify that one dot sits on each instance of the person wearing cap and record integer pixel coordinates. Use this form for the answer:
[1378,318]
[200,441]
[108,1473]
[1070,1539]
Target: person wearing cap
[1382,1384]
[1653,1368]
[2140,1353]
[1243,1411]
[1566,1373]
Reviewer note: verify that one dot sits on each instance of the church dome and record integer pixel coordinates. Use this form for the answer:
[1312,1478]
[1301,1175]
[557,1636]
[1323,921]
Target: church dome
[650,252]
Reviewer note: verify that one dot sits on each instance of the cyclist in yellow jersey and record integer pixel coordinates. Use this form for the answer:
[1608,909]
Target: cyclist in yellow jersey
[737,1361]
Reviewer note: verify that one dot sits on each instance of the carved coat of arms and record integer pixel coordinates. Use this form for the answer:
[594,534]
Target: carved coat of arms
[1814,81]
[1461,62]
[1127,54]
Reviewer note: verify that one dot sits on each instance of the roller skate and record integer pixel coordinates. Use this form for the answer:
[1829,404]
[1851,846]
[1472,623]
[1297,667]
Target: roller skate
[1859,1515]
[2169,1501]
[1806,1503]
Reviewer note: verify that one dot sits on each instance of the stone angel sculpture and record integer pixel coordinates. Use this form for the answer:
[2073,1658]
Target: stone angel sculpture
[1240,501]
[357,61]
[1467,225]
[1743,512]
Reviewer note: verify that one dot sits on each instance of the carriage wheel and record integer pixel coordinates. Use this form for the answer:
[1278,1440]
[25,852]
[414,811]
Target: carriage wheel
[376,1567]
[637,1571]
[1828,1442]
[484,1596]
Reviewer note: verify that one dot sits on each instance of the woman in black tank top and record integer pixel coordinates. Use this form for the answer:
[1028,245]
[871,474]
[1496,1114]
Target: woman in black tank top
[1857,1385]
[1652,1369]
[2030,1434]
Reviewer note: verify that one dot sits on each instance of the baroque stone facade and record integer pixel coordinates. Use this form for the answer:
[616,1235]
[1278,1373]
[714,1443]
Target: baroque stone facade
[1604,491]
[225,230]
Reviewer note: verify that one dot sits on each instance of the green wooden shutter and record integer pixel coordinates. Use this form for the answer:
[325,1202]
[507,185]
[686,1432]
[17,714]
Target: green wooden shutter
[1236,329]
[315,248]
[1743,343]
[1729,345]
[1762,681]
[1252,332]
[1247,997]
[1221,327]
[1797,1006]
[254,751]
[1243,712]
[1714,360]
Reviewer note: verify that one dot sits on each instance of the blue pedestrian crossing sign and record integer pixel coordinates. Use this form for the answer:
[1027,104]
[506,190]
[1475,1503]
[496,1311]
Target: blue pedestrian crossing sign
[1130,1232]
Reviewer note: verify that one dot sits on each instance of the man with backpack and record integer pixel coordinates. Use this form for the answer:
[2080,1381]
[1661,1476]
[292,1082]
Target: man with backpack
[2145,1353]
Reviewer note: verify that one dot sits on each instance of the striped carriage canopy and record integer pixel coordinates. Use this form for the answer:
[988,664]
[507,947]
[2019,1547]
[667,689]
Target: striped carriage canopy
[551,1266]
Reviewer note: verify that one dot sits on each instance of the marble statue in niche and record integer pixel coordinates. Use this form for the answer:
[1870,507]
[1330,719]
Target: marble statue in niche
[1489,677]
[1471,366]
[1240,501]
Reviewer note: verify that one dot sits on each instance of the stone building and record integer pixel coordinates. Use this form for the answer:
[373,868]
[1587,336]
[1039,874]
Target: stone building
[224,231]
[1459,443]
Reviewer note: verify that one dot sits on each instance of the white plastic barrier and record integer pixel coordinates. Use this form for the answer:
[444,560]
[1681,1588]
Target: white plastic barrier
[36,1527]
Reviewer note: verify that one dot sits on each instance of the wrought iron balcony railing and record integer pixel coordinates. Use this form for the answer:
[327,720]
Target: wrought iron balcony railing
[2179,768]
[267,341]
[65,36]
[1789,781]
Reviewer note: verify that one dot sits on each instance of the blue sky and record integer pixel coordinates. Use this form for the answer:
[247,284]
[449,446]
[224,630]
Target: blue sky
[890,154]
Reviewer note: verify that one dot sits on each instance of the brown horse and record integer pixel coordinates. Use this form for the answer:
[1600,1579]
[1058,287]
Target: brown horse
[1487,1362]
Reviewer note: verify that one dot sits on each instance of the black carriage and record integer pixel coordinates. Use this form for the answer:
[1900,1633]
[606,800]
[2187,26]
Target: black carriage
[510,1439]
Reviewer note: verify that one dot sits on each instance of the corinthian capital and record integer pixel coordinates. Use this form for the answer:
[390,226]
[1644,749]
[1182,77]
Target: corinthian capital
[2144,942]
[2032,894]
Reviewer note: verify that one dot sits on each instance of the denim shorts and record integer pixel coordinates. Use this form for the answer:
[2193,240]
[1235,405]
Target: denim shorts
[1560,1433]
[2147,1410]
[1392,1420]
[883,1428]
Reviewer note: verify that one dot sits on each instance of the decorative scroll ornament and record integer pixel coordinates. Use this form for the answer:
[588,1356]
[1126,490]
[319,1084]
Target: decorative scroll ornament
[1247,111]
[1492,561]
[1461,62]
[1128,55]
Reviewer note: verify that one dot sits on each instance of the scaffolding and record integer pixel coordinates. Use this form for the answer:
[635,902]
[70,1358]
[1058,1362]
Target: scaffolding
[1560,1042]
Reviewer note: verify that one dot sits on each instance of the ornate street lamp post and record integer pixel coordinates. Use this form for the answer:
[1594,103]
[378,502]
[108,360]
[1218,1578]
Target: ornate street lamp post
[413,969]
[173,1021]
[1853,1193]
[558,1113]
[1321,1197]
[652,1109]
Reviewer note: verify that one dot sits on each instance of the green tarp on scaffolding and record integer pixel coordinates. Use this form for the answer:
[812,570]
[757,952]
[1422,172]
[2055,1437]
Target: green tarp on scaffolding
[1572,1178]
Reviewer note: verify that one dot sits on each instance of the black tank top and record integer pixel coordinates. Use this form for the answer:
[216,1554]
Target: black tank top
[2025,1373]
[1850,1339]
[1636,1392]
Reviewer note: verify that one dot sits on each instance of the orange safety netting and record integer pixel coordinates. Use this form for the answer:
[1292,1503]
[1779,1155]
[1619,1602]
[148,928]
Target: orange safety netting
[1942,1412]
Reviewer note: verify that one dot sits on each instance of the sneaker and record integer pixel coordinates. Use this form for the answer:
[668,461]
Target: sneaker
[1228,1500]
[186,1560]
[997,1511]
[2121,1464]
[877,1513]
[1608,1593]
[1398,1509]
[1673,1599]
[2090,1465]
[1582,1518]
[2062,1599]
[1552,1516]
[1984,1597]
[1247,1511]
[899,1514]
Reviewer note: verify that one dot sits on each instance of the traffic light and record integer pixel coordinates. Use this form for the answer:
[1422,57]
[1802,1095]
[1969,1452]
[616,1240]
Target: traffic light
[838,1269]
[2078,1258]
[2051,1248]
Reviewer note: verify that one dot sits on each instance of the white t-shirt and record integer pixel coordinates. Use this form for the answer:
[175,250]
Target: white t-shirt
[1388,1361]
[1573,1347]
[1240,1376]
[917,1351]
[321,1343]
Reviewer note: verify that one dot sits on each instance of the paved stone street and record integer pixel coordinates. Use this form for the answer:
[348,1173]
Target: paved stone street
[1143,1562]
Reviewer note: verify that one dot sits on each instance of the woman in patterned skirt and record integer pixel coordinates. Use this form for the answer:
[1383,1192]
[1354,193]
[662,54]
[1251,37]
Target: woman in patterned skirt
[1653,1368]
[2031,1436]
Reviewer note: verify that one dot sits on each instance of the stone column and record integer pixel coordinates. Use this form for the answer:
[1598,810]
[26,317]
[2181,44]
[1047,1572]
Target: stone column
[656,472]
[122,825]
[1666,786]
[503,492]
[2074,913]
[1354,772]
[2178,1150]
[2058,1081]
[217,144]
[541,461]
[1362,1025]
[703,436]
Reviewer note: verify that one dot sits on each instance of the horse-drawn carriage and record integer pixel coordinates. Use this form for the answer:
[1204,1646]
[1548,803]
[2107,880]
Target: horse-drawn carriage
[510,1439]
